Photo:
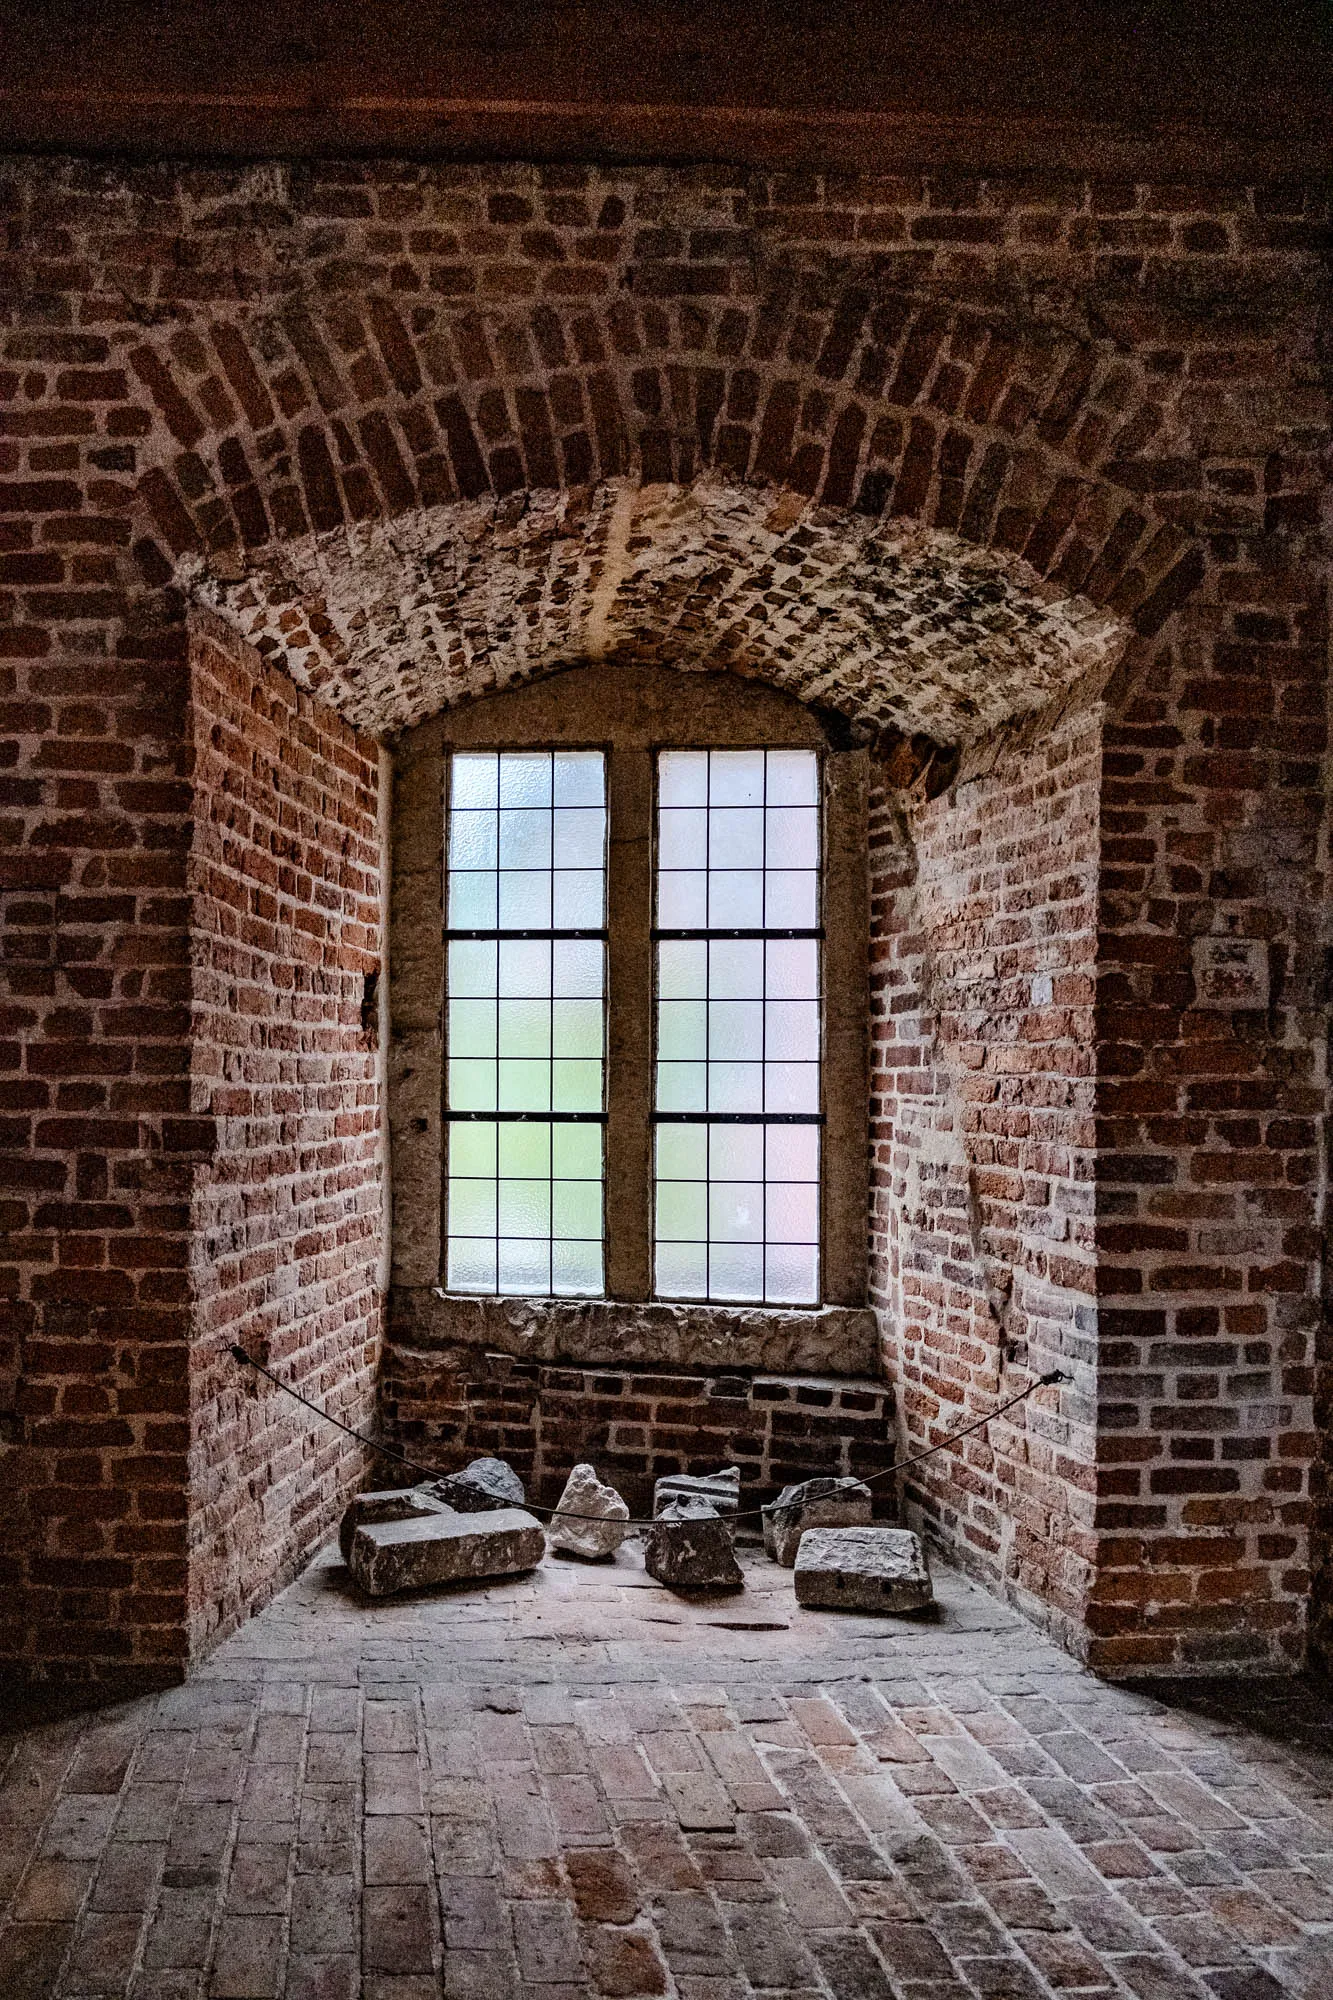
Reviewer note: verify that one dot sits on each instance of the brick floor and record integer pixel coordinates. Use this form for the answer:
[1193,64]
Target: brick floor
[577,1784]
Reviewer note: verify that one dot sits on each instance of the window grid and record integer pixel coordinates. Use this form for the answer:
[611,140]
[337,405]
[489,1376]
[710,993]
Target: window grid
[526,996]
[737,1183]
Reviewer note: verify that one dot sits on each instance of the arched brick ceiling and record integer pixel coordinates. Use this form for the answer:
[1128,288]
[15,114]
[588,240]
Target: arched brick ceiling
[887,621]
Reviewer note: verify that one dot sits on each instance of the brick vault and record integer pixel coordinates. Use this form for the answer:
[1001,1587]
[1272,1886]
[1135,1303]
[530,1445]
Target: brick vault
[1016,478]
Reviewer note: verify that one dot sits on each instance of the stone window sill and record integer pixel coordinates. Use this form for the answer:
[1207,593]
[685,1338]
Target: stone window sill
[819,1340]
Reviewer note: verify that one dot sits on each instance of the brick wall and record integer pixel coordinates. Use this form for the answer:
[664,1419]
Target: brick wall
[287,1220]
[228,381]
[984,917]
[445,1406]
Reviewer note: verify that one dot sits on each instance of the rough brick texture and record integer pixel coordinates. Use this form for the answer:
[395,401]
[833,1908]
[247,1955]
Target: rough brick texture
[635,1423]
[984,920]
[1097,395]
[287,1222]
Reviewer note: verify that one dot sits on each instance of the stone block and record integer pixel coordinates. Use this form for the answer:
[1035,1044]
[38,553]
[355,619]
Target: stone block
[815,1503]
[862,1569]
[396,1503]
[442,1546]
[689,1547]
[586,1495]
[722,1489]
[484,1484]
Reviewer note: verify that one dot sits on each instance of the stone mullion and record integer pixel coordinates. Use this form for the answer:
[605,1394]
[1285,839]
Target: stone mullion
[629,1175]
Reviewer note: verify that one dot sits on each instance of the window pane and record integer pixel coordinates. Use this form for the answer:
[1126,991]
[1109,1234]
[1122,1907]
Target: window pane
[738,1025]
[526,845]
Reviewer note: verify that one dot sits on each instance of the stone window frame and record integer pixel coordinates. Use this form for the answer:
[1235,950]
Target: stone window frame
[653,709]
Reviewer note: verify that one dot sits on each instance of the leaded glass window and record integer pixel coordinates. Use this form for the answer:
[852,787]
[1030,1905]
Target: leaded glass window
[737,1081]
[526,1005]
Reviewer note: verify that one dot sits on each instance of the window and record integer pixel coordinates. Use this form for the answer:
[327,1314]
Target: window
[644,1009]
[526,986]
[738,1106]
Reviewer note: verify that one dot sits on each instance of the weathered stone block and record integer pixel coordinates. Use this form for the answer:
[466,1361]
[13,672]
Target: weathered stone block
[585,1494]
[396,1503]
[862,1569]
[815,1503]
[484,1484]
[689,1547]
[443,1547]
[721,1489]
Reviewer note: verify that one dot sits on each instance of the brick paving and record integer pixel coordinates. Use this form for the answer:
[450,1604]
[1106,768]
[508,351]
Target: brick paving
[577,1784]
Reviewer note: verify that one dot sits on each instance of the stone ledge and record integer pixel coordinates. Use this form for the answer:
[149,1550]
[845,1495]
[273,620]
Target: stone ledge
[828,1340]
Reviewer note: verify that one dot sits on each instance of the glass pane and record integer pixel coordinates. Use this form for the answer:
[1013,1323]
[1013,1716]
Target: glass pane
[791,1275]
[576,1209]
[735,838]
[682,969]
[579,839]
[474,780]
[526,1020]
[790,901]
[472,1085]
[792,778]
[576,1269]
[524,1208]
[579,778]
[472,1148]
[472,1207]
[473,839]
[576,1028]
[471,968]
[577,968]
[735,1271]
[525,839]
[681,1271]
[577,899]
[736,900]
[734,1086]
[525,778]
[738,1024]
[576,1152]
[736,1211]
[471,1028]
[682,840]
[682,1152]
[682,1086]
[682,1030]
[682,778]
[524,902]
[682,901]
[471,1264]
[682,1211]
[472,902]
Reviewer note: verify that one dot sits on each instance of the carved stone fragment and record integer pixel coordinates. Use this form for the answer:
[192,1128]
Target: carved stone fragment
[815,1503]
[485,1483]
[722,1489]
[689,1547]
[586,1494]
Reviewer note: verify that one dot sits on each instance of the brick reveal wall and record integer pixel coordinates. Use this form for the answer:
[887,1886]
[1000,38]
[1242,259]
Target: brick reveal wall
[984,917]
[284,1068]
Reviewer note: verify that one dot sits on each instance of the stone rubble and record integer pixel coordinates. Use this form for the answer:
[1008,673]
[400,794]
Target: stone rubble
[689,1547]
[721,1489]
[395,1503]
[862,1569]
[441,1546]
[814,1503]
[485,1483]
[594,1539]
